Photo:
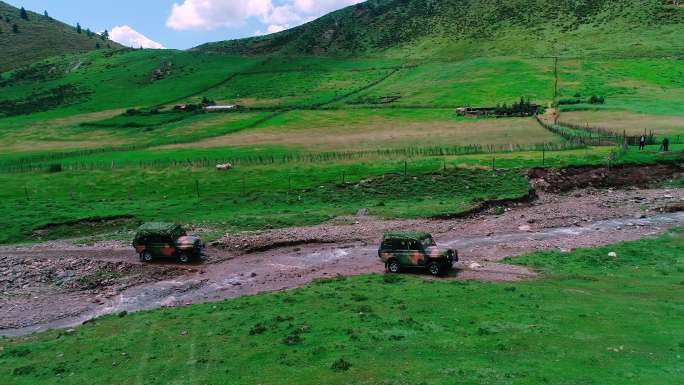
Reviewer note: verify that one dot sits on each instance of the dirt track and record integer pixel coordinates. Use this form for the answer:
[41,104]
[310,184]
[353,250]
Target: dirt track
[62,285]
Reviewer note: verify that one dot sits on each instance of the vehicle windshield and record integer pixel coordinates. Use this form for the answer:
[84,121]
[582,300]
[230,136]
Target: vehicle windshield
[428,242]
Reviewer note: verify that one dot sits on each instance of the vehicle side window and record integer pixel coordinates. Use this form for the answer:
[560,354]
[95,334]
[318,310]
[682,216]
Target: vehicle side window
[386,245]
[156,239]
[413,245]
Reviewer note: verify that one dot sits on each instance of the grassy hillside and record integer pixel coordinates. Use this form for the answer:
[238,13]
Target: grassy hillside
[592,319]
[463,28]
[39,37]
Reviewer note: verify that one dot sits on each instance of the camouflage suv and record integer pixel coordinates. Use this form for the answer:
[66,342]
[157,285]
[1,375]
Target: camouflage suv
[415,250]
[167,240]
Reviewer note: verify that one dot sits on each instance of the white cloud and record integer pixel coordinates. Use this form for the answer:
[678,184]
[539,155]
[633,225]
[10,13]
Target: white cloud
[273,28]
[129,37]
[212,14]
[283,14]
[321,7]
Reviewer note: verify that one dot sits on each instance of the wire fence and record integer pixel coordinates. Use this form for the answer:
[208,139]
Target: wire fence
[595,136]
[58,163]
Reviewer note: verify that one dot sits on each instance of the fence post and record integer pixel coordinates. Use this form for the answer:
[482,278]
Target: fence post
[493,163]
[343,181]
[405,168]
[543,157]
[197,189]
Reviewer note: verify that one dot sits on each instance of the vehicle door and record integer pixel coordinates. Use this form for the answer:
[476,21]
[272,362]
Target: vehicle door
[402,252]
[416,253]
[160,245]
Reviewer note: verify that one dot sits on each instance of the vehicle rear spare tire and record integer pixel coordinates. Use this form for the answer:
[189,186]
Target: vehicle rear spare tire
[146,257]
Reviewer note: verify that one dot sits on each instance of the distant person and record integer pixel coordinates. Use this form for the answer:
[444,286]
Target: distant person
[666,145]
[642,142]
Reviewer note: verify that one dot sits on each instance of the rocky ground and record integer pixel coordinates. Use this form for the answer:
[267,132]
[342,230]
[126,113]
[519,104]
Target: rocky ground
[59,284]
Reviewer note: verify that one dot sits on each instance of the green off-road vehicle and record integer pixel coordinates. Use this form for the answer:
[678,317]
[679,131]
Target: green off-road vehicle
[167,240]
[415,250]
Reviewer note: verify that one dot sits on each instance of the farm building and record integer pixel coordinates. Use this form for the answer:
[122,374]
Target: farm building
[231,107]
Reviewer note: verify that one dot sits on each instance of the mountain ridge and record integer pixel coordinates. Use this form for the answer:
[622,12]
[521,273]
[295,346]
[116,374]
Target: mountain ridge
[424,28]
[39,37]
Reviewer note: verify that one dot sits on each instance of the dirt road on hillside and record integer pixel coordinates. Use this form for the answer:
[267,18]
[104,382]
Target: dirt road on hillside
[59,284]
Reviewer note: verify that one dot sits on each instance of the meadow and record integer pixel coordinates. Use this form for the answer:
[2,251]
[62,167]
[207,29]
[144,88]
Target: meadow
[309,129]
[590,318]
[272,188]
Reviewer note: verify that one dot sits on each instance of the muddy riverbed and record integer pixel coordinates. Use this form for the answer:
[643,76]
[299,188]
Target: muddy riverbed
[59,284]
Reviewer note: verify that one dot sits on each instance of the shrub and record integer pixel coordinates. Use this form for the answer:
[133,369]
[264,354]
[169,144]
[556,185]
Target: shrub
[257,329]
[23,370]
[292,339]
[341,365]
[597,100]
[54,168]
[569,101]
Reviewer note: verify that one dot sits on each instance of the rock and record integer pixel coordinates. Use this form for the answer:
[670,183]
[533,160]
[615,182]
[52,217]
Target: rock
[612,254]
[474,266]
[525,228]
[362,212]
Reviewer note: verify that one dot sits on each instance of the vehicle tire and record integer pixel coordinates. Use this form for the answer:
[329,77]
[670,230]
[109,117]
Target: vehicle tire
[146,257]
[184,258]
[393,266]
[435,268]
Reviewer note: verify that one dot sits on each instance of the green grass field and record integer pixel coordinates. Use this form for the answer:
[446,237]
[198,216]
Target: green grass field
[319,137]
[271,188]
[589,319]
[307,121]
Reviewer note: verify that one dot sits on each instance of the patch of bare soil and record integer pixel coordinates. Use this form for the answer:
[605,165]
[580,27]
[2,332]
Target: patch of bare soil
[569,178]
[33,287]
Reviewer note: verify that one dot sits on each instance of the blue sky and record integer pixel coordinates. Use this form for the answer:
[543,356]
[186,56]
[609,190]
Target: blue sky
[183,24]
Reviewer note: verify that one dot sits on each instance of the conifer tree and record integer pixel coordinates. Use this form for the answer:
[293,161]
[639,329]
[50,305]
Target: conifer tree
[15,28]
[23,14]
[78,28]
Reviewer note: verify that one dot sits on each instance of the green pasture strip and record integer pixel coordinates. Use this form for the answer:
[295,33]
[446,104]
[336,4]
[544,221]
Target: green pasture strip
[590,318]
[250,197]
[169,134]
[647,85]
[481,82]
[251,156]
[276,195]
